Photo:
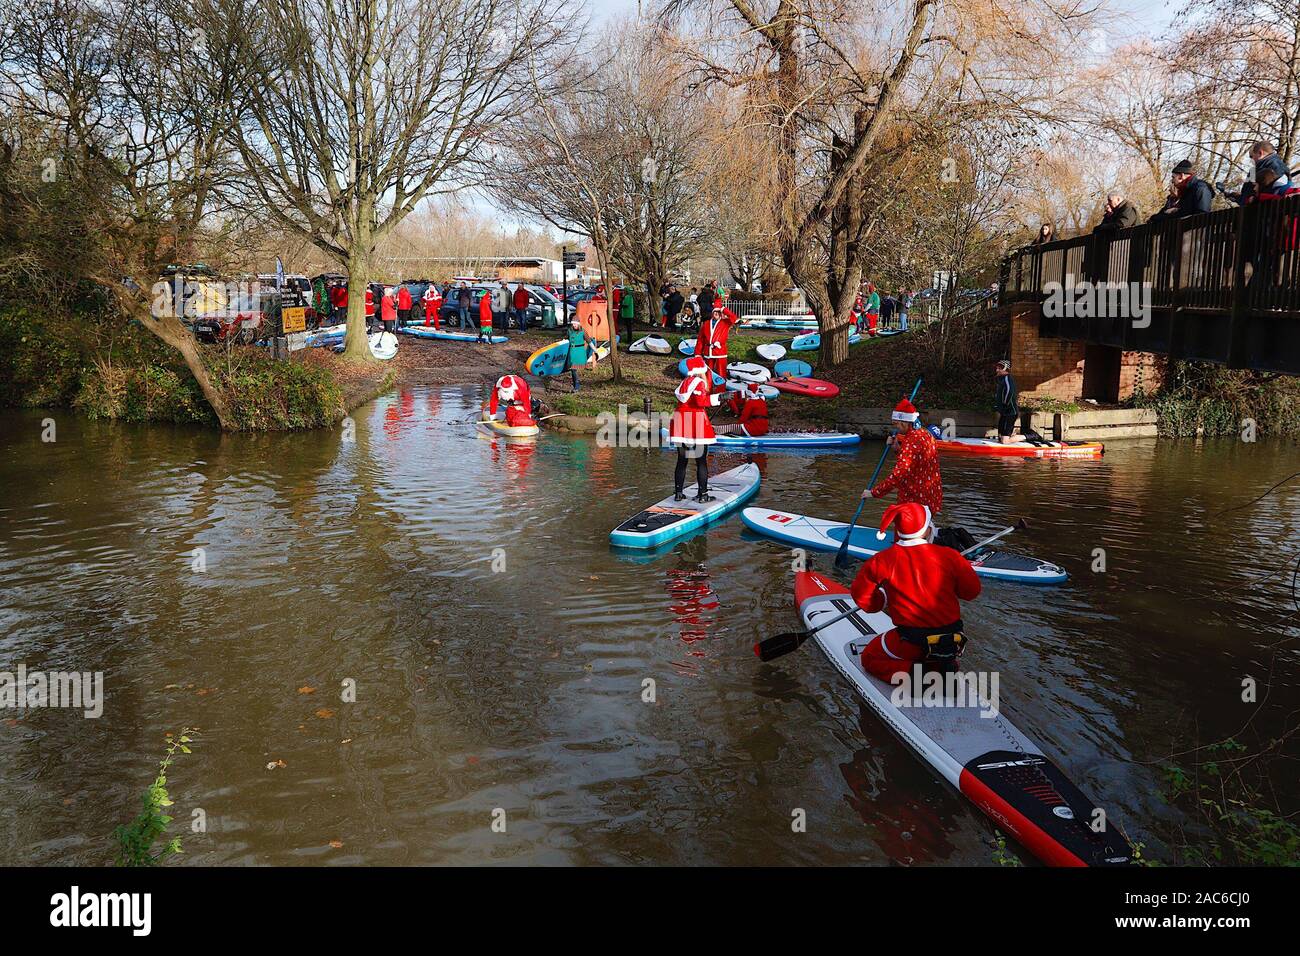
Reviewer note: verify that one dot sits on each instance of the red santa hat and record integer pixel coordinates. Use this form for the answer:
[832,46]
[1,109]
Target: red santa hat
[695,366]
[754,390]
[905,411]
[911,522]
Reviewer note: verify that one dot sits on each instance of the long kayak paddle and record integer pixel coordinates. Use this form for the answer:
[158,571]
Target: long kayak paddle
[1020,525]
[842,555]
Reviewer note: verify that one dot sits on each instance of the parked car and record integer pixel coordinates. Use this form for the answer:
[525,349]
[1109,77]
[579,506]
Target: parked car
[243,320]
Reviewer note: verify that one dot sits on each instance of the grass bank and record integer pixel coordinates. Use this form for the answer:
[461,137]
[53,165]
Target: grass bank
[108,369]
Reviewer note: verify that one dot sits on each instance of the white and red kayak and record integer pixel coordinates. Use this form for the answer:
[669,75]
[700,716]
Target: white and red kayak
[991,447]
[992,763]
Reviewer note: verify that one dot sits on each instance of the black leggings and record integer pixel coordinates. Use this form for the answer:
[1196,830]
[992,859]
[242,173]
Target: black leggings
[701,455]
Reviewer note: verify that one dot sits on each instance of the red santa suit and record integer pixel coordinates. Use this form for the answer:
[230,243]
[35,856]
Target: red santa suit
[388,311]
[690,424]
[432,300]
[916,473]
[751,408]
[921,586]
[370,303]
[711,343]
[512,392]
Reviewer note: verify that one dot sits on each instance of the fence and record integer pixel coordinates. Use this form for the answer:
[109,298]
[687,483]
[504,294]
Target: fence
[1221,286]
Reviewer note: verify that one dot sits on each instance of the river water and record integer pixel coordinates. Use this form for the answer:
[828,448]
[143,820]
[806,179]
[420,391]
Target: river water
[494,652]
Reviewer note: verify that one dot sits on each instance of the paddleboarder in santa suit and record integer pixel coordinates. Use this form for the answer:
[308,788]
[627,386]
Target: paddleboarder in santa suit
[916,473]
[921,586]
[512,392]
[690,429]
[751,408]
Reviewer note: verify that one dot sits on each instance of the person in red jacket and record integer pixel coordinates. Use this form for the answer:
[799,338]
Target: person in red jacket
[751,408]
[485,317]
[520,302]
[403,305]
[691,431]
[512,392]
[370,307]
[916,473]
[339,302]
[921,586]
[388,312]
[711,343]
[432,300]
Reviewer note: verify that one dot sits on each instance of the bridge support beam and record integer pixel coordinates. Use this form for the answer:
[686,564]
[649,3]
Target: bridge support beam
[1067,370]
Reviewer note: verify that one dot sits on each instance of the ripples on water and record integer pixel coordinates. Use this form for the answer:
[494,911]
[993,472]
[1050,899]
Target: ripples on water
[372,561]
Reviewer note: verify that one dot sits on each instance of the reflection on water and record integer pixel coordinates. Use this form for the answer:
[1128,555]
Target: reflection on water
[501,650]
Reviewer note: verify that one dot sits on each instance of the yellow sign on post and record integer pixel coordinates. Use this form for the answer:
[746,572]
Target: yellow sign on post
[293,319]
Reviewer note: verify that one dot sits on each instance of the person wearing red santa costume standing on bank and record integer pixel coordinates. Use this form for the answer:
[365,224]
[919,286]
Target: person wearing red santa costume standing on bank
[916,473]
[751,408]
[512,392]
[711,343]
[432,300]
[921,586]
[691,431]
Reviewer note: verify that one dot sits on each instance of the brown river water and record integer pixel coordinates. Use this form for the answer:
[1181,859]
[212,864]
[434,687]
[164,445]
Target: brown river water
[477,689]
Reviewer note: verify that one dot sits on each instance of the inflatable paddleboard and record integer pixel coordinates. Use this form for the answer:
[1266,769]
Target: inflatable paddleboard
[793,368]
[496,427]
[813,340]
[329,335]
[767,392]
[651,343]
[748,372]
[994,765]
[686,347]
[992,448]
[429,332]
[549,359]
[383,345]
[670,519]
[771,351]
[822,535]
[810,387]
[779,440]
[681,370]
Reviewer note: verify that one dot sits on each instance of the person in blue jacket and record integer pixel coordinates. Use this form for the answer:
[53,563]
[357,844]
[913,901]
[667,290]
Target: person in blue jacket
[1189,195]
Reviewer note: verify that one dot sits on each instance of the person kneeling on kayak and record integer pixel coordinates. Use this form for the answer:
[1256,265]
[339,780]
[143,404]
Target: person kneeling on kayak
[751,408]
[916,474]
[921,585]
[512,392]
[690,429]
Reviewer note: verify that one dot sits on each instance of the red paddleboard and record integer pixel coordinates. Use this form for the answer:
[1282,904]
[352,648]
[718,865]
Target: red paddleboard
[811,387]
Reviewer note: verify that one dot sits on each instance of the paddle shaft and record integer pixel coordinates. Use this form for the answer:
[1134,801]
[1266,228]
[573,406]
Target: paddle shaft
[842,556]
[987,541]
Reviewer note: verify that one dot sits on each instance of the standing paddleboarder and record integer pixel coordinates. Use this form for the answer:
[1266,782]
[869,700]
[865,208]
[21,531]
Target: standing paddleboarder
[916,473]
[690,429]
[921,585]
[1006,400]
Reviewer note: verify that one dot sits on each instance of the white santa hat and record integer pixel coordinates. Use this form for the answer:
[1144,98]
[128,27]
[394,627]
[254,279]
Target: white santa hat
[905,411]
[507,387]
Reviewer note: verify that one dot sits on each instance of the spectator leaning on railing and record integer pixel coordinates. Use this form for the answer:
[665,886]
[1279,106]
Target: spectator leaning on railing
[1188,194]
[1120,214]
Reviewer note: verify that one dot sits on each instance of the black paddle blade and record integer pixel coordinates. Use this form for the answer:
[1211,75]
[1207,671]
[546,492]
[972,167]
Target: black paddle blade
[779,646]
[842,559]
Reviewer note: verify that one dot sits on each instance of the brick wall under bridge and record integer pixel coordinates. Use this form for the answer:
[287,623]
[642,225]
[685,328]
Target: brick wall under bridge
[1068,371]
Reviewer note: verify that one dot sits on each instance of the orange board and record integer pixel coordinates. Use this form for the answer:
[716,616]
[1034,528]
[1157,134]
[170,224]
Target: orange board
[593,316]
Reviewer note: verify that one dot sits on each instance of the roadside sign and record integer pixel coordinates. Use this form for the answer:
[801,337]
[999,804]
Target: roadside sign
[293,319]
[572,257]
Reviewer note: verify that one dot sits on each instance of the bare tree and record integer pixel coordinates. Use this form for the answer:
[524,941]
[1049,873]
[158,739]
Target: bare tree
[139,138]
[357,110]
[626,151]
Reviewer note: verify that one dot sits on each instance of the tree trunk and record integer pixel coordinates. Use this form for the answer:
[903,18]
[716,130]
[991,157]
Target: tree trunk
[356,345]
[170,330]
